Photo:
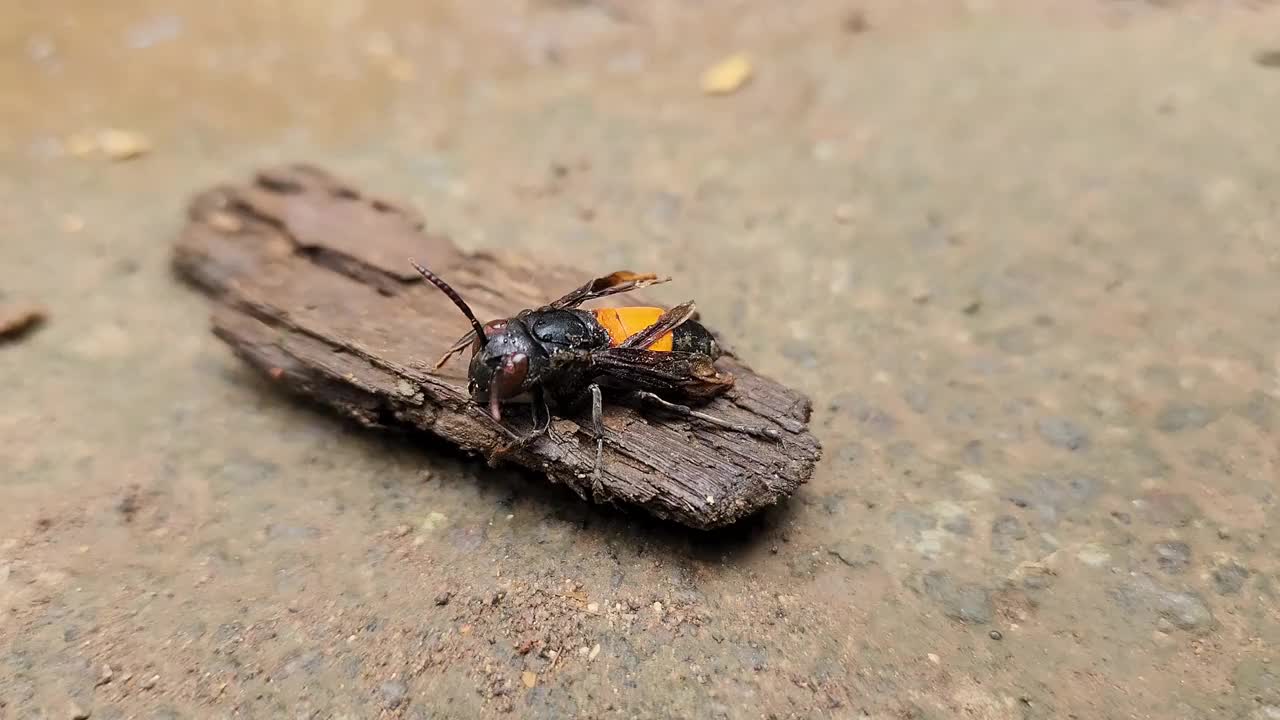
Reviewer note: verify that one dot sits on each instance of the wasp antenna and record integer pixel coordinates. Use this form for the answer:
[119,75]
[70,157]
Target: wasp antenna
[452,295]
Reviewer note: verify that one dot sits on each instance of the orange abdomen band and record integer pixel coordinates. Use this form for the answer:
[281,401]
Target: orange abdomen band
[622,323]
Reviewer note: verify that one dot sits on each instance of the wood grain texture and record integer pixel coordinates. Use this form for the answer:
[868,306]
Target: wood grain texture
[313,288]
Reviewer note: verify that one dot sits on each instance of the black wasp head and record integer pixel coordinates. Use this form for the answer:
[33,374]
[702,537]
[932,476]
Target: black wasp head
[500,360]
[500,364]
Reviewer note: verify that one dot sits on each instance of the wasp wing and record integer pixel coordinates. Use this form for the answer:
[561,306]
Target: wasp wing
[666,322]
[612,284]
[691,375]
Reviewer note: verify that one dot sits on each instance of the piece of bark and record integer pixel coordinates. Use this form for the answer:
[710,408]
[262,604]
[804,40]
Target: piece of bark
[315,289]
[16,320]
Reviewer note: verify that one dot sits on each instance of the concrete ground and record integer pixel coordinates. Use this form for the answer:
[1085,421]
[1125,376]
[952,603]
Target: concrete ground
[1022,255]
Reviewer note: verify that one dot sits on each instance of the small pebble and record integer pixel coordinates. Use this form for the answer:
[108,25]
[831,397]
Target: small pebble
[1006,530]
[148,683]
[593,607]
[976,481]
[1185,610]
[1093,555]
[530,679]
[76,712]
[1267,58]
[595,650]
[402,530]
[966,602]
[393,693]
[1172,557]
[995,635]
[657,607]
[434,520]
[1177,417]
[105,675]
[1063,433]
[1229,577]
[443,598]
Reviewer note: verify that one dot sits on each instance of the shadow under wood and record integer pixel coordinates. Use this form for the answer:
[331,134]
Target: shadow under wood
[551,501]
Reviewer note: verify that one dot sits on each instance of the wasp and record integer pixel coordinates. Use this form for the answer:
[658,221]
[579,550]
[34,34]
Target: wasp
[561,358]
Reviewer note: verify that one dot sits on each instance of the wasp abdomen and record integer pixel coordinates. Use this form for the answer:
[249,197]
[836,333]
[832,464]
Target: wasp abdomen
[692,337]
[622,323]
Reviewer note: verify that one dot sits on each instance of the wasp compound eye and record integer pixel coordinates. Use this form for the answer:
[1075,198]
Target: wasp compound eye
[491,328]
[507,382]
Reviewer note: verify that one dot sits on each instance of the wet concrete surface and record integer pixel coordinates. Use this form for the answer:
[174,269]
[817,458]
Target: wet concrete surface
[1024,260]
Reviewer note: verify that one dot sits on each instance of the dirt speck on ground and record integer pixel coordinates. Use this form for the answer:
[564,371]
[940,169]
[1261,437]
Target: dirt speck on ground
[17,319]
[1021,255]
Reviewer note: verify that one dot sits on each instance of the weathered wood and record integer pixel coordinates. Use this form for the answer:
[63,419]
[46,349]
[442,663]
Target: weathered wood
[315,290]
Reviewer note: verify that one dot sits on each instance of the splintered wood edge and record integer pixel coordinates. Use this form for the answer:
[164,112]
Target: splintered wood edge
[247,247]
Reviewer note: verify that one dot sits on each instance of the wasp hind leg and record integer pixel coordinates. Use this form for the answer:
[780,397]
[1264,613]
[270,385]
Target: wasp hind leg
[688,412]
[597,425]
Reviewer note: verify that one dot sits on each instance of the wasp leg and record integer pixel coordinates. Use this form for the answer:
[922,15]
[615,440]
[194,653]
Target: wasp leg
[522,441]
[597,424]
[545,428]
[686,411]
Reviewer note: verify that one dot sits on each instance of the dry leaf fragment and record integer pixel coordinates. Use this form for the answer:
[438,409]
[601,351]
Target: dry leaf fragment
[80,145]
[123,144]
[727,75]
[529,679]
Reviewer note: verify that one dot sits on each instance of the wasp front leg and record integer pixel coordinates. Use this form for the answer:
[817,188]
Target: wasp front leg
[518,442]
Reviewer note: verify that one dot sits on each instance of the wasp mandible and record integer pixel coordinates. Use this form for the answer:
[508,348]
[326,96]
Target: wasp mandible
[560,358]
